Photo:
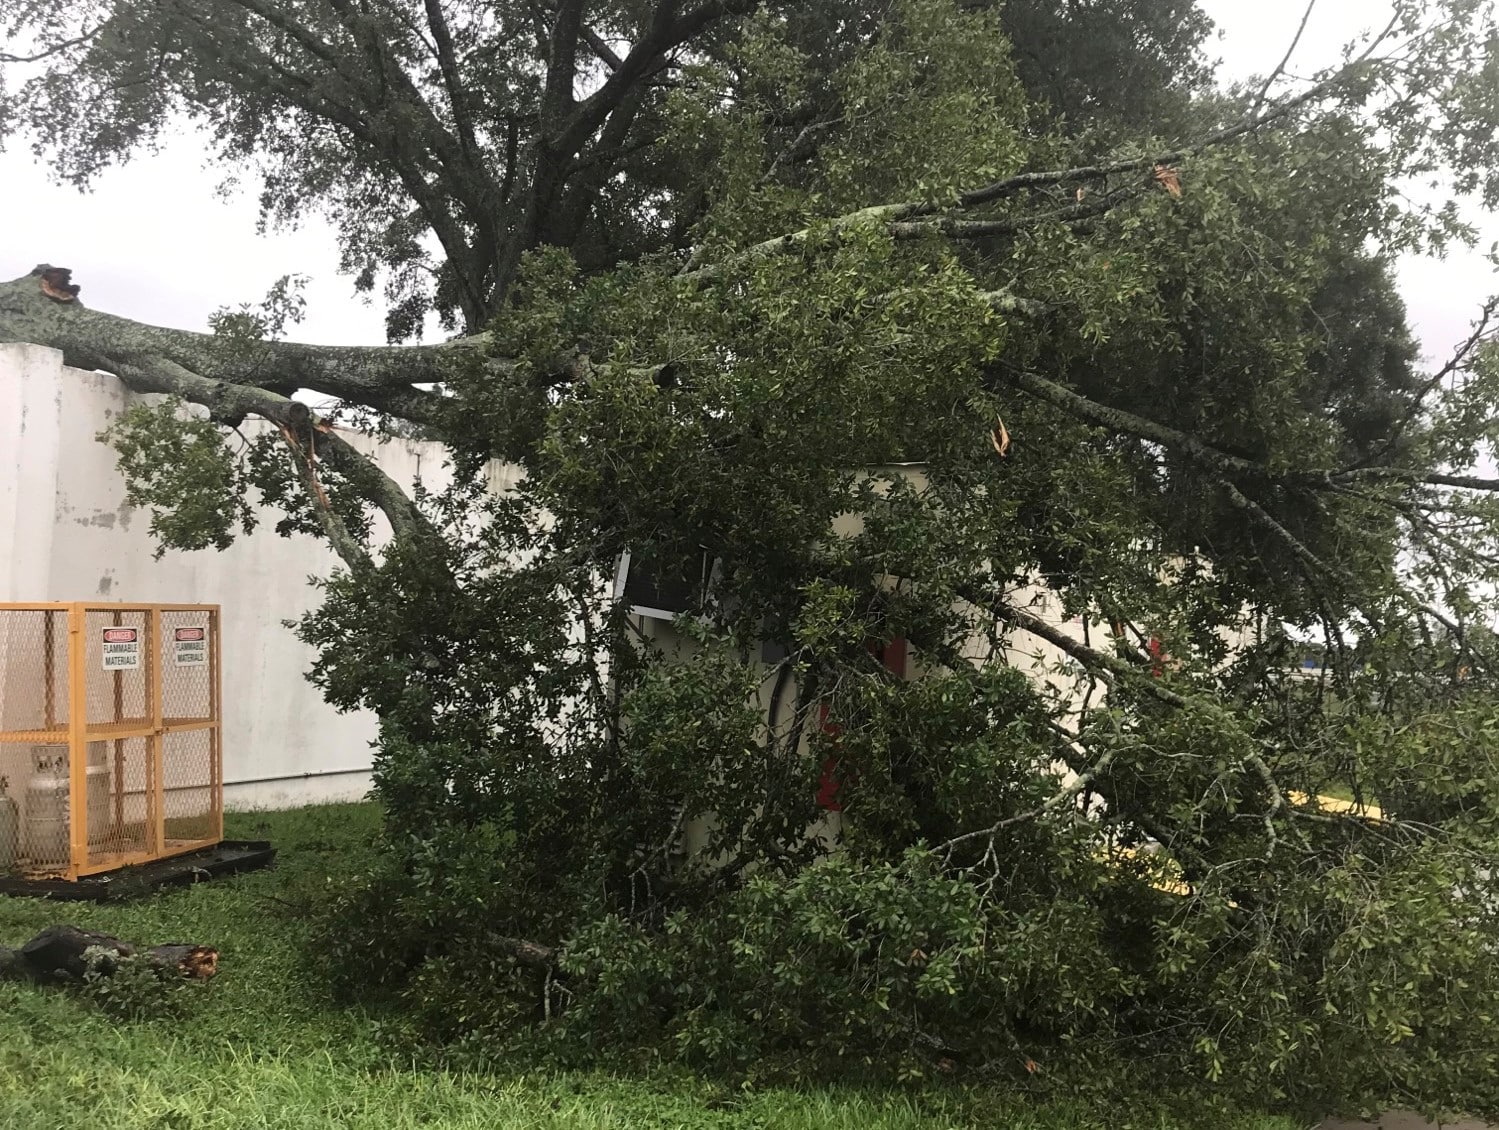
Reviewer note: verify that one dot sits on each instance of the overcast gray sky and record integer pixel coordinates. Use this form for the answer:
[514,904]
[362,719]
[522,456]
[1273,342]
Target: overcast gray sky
[153,242]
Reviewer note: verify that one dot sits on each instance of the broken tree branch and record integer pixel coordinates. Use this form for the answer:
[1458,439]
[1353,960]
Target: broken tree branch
[228,401]
[1280,68]
[1051,804]
[1119,420]
[1110,669]
[62,953]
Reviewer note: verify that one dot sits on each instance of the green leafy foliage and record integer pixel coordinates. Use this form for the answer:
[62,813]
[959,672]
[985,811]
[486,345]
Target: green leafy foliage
[261,1047]
[246,325]
[646,803]
[181,468]
[131,987]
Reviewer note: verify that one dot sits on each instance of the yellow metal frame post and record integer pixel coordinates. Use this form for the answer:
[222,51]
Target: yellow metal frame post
[154,747]
[119,743]
[77,742]
[49,661]
[215,711]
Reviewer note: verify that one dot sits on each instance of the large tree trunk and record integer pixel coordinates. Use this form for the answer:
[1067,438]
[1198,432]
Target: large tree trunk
[43,308]
[61,953]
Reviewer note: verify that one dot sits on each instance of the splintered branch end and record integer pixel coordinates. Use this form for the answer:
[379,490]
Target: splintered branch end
[57,282]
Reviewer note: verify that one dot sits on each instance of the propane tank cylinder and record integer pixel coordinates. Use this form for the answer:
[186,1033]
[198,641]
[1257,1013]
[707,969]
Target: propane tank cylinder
[97,792]
[10,831]
[44,831]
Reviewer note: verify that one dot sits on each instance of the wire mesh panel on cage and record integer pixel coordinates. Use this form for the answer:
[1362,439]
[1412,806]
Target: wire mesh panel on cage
[110,737]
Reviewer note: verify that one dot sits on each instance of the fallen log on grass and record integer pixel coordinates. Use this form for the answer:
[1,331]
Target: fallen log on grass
[62,953]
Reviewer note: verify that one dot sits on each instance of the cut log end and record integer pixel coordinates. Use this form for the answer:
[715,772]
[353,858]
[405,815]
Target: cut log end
[197,963]
[57,282]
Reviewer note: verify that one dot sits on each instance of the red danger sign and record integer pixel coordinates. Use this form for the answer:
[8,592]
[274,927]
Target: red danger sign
[190,647]
[122,649]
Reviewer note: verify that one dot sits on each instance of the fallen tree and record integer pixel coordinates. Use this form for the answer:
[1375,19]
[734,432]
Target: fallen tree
[898,346]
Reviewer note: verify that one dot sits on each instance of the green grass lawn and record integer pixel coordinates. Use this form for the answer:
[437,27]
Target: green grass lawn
[261,1047]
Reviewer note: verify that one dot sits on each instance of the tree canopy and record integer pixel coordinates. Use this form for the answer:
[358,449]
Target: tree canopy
[722,274]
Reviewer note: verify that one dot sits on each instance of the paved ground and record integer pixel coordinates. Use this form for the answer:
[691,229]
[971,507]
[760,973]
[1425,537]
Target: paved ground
[1404,1121]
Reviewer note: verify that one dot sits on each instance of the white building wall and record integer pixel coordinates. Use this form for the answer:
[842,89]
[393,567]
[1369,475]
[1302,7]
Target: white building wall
[66,534]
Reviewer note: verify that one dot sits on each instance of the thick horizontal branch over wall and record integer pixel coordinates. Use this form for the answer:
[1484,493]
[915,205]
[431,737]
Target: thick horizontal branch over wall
[379,376]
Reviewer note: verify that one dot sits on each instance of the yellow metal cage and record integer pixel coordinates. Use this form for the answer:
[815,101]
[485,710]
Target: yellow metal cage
[111,749]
